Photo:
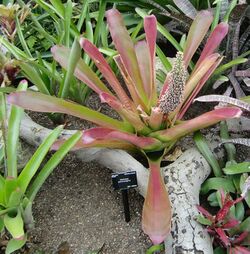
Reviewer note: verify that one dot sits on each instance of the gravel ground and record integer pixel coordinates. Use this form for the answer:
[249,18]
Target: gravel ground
[77,209]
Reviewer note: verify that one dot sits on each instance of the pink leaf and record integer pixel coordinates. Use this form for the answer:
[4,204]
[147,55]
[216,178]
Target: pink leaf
[200,122]
[155,118]
[200,73]
[99,133]
[150,27]
[114,144]
[198,88]
[204,212]
[131,88]
[213,41]
[43,103]
[106,71]
[223,212]
[223,237]
[196,34]
[125,47]
[130,116]
[241,250]
[143,58]
[241,238]
[156,215]
[165,87]
[82,70]
[230,223]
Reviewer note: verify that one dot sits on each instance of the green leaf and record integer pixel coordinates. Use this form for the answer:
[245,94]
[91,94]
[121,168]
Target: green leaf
[16,52]
[34,76]
[90,36]
[67,20]
[44,103]
[15,198]
[13,134]
[155,248]
[82,15]
[101,14]
[217,15]
[216,183]
[51,164]
[163,58]
[9,187]
[224,67]
[219,250]
[1,225]
[7,90]
[58,7]
[2,191]
[207,153]
[21,37]
[33,164]
[229,10]
[13,222]
[213,199]
[239,168]
[74,56]
[202,220]
[239,211]
[230,148]
[14,245]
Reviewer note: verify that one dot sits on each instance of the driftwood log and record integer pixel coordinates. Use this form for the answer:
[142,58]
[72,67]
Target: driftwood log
[183,179]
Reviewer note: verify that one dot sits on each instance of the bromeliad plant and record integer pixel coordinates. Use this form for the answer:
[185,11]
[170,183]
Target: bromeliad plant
[229,228]
[150,123]
[230,234]
[18,189]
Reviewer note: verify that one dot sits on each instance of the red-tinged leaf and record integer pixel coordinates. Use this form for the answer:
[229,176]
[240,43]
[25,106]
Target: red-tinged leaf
[198,88]
[125,47]
[164,87]
[43,103]
[155,118]
[204,212]
[114,144]
[156,214]
[136,99]
[199,74]
[223,212]
[241,238]
[106,71]
[82,71]
[213,41]
[240,250]
[196,34]
[143,58]
[150,27]
[230,223]
[222,236]
[130,116]
[200,122]
[99,133]
[211,231]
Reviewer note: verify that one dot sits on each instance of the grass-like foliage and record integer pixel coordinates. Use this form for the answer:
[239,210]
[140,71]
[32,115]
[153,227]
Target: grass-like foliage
[18,189]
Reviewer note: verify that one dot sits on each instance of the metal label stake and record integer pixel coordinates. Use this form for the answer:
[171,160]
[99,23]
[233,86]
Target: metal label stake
[124,182]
